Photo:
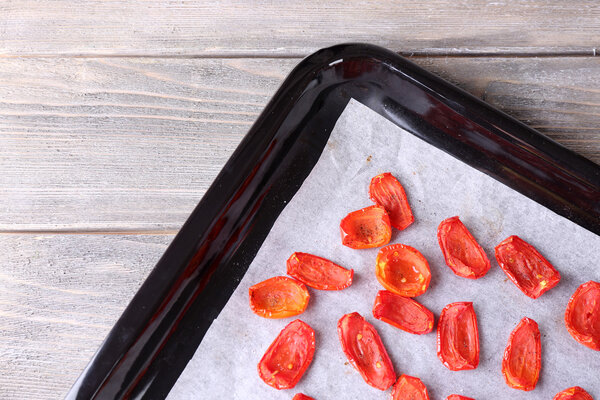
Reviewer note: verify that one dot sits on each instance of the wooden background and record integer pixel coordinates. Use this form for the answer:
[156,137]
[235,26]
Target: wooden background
[115,116]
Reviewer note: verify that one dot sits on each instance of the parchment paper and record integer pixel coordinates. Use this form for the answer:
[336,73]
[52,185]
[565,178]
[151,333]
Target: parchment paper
[362,145]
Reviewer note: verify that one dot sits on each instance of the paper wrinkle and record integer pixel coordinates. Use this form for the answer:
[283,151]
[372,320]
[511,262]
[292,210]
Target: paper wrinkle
[364,144]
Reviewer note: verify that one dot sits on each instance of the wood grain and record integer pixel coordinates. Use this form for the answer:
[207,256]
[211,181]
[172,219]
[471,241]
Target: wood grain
[285,28]
[59,297]
[134,142]
[126,144]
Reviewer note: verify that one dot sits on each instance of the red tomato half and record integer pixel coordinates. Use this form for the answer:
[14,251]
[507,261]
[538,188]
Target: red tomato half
[279,297]
[573,393]
[401,269]
[462,253]
[526,267]
[302,396]
[318,273]
[409,388]
[403,313]
[458,337]
[366,228]
[363,347]
[288,356]
[583,315]
[386,191]
[458,397]
[522,358]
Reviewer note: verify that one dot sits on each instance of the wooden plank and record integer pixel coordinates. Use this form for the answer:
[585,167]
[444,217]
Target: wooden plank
[112,144]
[59,297]
[254,28]
[557,96]
[126,144]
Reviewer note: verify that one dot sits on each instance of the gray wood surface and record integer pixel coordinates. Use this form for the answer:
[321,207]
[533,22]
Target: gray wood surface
[59,297]
[115,116]
[284,28]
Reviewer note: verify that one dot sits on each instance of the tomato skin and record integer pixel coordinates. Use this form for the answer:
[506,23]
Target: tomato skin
[458,397]
[288,357]
[573,393]
[403,313]
[318,273]
[522,359]
[278,297]
[582,316]
[526,267]
[397,262]
[458,337]
[409,388]
[462,253]
[385,190]
[366,228]
[302,396]
[363,348]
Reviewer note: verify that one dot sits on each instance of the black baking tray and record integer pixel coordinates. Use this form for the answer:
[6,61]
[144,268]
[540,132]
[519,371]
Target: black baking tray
[159,331]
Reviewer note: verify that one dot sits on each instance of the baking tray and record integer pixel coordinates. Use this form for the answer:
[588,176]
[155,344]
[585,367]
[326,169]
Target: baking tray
[161,328]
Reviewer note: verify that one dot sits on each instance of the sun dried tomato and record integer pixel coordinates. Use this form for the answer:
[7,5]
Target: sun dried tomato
[409,388]
[403,313]
[526,267]
[318,273]
[386,191]
[363,347]
[278,297]
[523,356]
[366,228]
[573,393]
[462,253]
[583,315]
[458,337]
[458,397]
[302,396]
[401,269]
[288,356]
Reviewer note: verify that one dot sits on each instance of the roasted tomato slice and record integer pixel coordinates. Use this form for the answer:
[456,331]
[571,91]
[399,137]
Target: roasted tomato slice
[526,267]
[363,347]
[573,393]
[288,356]
[402,312]
[583,315]
[279,297]
[318,273]
[366,228]
[401,269]
[409,388]
[522,358]
[462,253]
[458,397]
[302,396]
[386,191]
[458,337]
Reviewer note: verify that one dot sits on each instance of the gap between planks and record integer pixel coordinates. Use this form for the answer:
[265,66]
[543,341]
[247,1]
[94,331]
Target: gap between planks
[166,232]
[426,53]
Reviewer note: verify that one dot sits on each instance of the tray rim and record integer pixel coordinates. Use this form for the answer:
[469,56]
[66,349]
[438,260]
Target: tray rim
[110,354]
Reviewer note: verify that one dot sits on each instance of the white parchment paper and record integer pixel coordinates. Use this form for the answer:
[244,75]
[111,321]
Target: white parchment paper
[362,145]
